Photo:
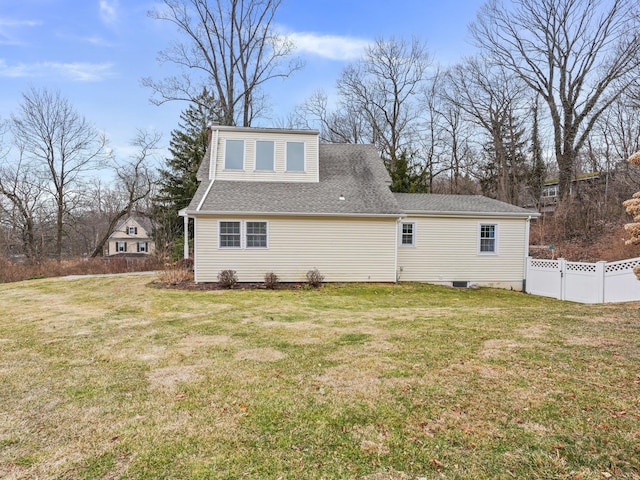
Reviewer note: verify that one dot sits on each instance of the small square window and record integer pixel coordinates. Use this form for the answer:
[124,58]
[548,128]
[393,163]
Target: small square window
[408,234]
[234,155]
[132,230]
[230,235]
[264,155]
[488,238]
[256,234]
[295,156]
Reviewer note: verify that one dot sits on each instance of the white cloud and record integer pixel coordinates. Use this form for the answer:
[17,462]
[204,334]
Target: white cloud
[79,71]
[333,47]
[109,11]
[8,27]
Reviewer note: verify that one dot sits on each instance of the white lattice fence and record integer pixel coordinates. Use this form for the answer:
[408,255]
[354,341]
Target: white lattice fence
[584,282]
[620,283]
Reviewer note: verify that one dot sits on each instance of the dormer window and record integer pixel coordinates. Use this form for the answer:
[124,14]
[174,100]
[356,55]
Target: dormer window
[234,155]
[295,156]
[264,155]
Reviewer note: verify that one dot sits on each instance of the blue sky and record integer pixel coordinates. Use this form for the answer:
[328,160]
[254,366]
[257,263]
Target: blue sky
[95,52]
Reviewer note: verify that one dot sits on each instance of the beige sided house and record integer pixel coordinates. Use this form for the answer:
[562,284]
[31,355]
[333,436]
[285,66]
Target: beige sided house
[131,237]
[274,200]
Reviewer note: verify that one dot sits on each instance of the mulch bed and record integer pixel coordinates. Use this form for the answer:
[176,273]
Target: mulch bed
[191,285]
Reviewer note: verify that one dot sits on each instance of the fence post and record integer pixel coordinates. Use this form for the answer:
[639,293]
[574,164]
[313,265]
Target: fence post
[562,268]
[600,281]
[527,266]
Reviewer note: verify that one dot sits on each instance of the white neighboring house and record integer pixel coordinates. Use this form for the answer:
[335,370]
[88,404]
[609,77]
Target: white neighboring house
[131,237]
[274,200]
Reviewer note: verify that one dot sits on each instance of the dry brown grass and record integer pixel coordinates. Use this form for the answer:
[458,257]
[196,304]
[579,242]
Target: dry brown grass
[106,378]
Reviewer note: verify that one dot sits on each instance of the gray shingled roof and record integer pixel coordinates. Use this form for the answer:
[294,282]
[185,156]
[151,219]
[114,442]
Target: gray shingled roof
[353,171]
[423,203]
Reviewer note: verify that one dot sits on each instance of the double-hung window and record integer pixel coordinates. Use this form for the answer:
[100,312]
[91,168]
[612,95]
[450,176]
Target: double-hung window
[264,155]
[143,247]
[132,230]
[121,247]
[488,238]
[230,235]
[234,155]
[408,238]
[295,156]
[256,234]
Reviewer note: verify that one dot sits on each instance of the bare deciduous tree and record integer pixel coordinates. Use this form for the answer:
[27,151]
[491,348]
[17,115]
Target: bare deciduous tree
[24,189]
[61,145]
[135,181]
[383,87]
[230,45]
[340,125]
[578,55]
[494,100]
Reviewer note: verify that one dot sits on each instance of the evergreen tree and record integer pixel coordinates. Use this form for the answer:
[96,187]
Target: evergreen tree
[406,177]
[178,182]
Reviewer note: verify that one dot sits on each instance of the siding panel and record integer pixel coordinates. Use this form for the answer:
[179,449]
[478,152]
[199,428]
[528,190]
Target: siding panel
[447,250]
[341,249]
[279,174]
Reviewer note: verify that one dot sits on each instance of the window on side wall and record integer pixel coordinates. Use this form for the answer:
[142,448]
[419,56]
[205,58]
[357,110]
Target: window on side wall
[408,236]
[234,155]
[264,155]
[256,234]
[229,235]
[488,238]
[295,156]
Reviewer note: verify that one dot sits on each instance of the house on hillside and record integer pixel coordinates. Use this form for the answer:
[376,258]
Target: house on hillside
[273,200]
[132,236]
[584,185]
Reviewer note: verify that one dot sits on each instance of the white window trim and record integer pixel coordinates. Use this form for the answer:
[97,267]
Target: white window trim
[132,230]
[117,246]
[243,234]
[304,157]
[413,236]
[145,248]
[255,163]
[497,233]
[244,155]
[220,247]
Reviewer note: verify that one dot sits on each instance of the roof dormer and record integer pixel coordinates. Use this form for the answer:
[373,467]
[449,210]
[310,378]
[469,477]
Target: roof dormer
[263,154]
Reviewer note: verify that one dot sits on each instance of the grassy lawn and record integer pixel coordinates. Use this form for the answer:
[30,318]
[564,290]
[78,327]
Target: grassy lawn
[108,378]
